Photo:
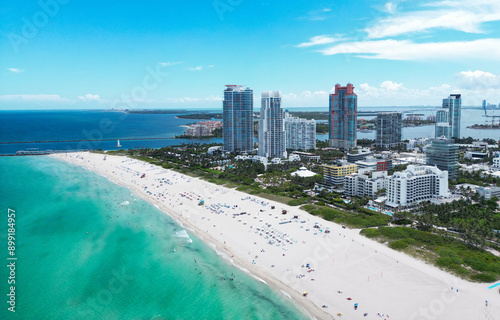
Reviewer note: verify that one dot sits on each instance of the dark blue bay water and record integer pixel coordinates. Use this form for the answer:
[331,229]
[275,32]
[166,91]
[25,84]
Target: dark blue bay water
[63,125]
[159,129]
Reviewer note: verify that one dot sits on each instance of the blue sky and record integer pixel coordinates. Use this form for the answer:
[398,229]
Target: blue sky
[179,54]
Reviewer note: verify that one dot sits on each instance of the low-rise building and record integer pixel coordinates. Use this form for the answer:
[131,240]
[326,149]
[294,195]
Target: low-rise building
[303,173]
[384,165]
[361,155]
[414,144]
[364,185]
[214,149]
[307,156]
[276,161]
[496,162]
[489,192]
[375,164]
[409,158]
[416,184]
[476,155]
[334,175]
[293,157]
[262,160]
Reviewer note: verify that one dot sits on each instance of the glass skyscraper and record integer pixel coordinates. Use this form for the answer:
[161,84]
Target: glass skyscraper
[271,127]
[443,127]
[454,105]
[442,153]
[389,126]
[237,118]
[343,116]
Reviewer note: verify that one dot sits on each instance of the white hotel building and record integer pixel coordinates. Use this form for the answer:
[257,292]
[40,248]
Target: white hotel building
[416,184]
[362,185]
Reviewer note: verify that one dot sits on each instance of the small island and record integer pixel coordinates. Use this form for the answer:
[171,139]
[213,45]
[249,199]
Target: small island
[200,116]
[484,126]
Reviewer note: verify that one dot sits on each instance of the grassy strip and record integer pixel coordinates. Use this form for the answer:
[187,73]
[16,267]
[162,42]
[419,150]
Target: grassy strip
[274,197]
[447,253]
[363,219]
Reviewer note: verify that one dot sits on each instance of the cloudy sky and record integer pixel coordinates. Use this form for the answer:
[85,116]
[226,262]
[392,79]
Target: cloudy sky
[179,54]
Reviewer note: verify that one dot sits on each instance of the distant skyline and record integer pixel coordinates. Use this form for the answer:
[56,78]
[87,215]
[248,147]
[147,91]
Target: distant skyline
[62,54]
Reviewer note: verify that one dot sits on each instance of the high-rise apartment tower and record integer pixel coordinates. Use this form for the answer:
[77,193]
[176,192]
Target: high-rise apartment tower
[343,116]
[237,114]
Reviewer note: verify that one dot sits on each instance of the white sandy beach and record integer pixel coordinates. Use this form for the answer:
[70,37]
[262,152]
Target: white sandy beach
[345,267]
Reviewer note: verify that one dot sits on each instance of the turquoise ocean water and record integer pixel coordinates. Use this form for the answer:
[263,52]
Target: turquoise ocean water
[88,249]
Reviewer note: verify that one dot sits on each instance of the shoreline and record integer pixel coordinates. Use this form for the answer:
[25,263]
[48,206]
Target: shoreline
[381,280]
[305,306]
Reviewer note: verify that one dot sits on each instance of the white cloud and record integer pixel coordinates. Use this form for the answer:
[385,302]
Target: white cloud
[89,97]
[305,99]
[383,90]
[319,40]
[198,68]
[33,97]
[408,50]
[442,90]
[477,80]
[317,15]
[390,7]
[390,93]
[457,15]
[167,64]
[15,70]
[391,86]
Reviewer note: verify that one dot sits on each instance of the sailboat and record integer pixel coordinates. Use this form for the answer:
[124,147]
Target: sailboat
[118,144]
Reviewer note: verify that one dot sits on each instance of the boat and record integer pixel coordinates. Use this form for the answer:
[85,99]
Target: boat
[118,144]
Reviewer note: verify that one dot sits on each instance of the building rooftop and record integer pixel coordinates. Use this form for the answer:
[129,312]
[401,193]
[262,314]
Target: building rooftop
[304,173]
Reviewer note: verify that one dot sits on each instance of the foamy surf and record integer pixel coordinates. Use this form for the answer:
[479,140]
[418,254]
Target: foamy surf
[125,203]
[223,255]
[183,235]
[259,279]
[286,294]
